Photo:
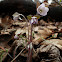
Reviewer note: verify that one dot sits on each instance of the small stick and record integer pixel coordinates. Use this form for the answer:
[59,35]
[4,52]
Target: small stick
[18,54]
[2,48]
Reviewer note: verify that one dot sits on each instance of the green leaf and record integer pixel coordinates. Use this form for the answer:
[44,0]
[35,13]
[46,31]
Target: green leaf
[21,36]
[54,36]
[6,50]
[33,34]
[29,17]
[38,16]
[26,40]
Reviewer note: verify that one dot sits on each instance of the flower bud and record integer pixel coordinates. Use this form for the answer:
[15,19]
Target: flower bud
[16,37]
[33,20]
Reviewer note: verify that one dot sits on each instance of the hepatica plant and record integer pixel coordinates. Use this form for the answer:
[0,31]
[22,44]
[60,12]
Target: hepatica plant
[41,10]
[32,20]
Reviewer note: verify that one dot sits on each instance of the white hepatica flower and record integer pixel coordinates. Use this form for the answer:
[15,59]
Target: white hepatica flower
[33,20]
[16,37]
[16,16]
[42,10]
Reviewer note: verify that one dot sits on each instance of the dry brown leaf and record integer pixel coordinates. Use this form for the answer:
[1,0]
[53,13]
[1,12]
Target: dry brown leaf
[60,30]
[41,35]
[56,42]
[51,27]
[42,22]
[6,22]
[7,31]
[38,4]
[21,24]
[20,31]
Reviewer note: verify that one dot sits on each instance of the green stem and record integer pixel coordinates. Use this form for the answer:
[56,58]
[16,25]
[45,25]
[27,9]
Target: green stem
[1,57]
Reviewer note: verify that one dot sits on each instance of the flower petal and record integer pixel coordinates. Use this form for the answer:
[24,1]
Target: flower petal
[31,21]
[42,5]
[46,9]
[42,10]
[45,14]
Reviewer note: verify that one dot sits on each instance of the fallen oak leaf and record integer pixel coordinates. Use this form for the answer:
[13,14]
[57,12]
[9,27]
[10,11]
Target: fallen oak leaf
[6,22]
[42,35]
[56,42]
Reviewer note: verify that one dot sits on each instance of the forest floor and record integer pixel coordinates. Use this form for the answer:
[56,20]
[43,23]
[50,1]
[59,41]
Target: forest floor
[46,40]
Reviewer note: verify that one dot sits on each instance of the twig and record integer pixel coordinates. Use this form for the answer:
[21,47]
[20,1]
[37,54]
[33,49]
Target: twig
[2,48]
[9,55]
[18,54]
[15,51]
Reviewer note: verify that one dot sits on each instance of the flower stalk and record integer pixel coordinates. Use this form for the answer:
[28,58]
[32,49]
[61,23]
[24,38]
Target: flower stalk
[29,58]
[33,20]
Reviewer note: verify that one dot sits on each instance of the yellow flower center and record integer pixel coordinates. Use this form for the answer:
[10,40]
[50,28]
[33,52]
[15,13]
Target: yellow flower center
[40,11]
